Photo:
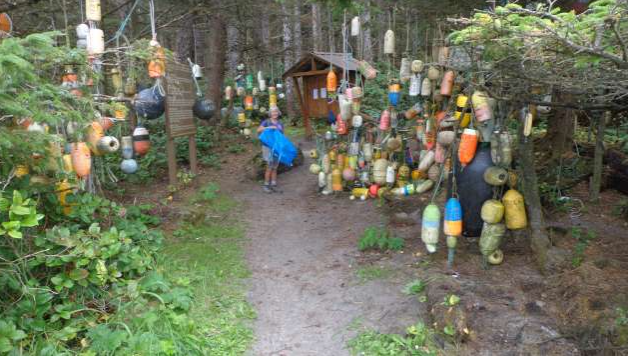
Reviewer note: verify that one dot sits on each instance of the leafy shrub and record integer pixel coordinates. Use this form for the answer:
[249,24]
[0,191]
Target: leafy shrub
[374,238]
[417,341]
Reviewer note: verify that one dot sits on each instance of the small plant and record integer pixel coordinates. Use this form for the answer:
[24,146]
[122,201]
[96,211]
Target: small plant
[581,245]
[207,193]
[372,273]
[622,317]
[451,300]
[380,239]
[621,209]
[236,148]
[415,287]
[418,340]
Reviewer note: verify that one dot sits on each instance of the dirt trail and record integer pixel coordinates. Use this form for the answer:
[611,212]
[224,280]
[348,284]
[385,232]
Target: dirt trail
[302,251]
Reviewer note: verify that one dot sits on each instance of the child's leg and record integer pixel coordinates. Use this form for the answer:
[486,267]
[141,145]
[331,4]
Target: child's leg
[273,178]
[268,175]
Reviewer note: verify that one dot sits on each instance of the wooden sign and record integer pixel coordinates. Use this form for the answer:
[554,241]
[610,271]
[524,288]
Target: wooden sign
[180,98]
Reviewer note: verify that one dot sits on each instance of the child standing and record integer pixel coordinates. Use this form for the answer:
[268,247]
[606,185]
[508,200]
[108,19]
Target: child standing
[270,176]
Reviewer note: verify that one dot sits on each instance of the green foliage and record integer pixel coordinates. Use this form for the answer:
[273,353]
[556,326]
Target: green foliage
[376,238]
[415,287]
[17,214]
[371,273]
[581,245]
[375,99]
[418,341]
[622,317]
[451,300]
[621,209]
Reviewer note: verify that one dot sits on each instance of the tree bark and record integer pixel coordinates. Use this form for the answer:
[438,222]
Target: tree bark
[288,55]
[331,38]
[233,47]
[539,240]
[317,31]
[298,38]
[367,42]
[215,60]
[598,159]
[558,140]
[185,40]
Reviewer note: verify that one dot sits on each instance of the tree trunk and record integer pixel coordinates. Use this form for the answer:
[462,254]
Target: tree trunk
[558,140]
[215,60]
[298,38]
[185,40]
[265,30]
[330,30]
[317,31]
[233,47]
[288,55]
[598,159]
[367,42]
[539,240]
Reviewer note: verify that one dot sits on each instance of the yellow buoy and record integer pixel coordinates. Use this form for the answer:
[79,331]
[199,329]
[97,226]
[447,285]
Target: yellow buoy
[515,210]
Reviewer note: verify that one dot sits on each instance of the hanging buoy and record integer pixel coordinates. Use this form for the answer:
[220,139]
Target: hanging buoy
[116,80]
[336,179]
[108,144]
[445,138]
[443,56]
[356,121]
[272,100]
[332,81]
[496,176]
[228,93]
[82,35]
[348,174]
[394,94]
[415,85]
[453,218]
[501,149]
[424,186]
[341,126]
[430,134]
[426,88]
[129,166]
[352,162]
[461,103]
[427,161]
[248,103]
[379,171]
[81,159]
[249,82]
[481,106]
[490,239]
[203,108]
[433,173]
[197,72]
[515,210]
[390,175]
[93,10]
[326,164]
[433,73]
[149,103]
[241,118]
[417,66]
[384,121]
[94,133]
[468,146]
[447,84]
[355,26]
[127,147]
[141,141]
[389,42]
[96,41]
[440,153]
[340,161]
[367,70]
[528,119]
[345,107]
[329,186]
[315,168]
[157,65]
[322,180]
[492,211]
[405,70]
[430,227]
[367,151]
[21,170]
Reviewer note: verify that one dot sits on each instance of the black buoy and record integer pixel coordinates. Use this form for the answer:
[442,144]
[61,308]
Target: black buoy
[472,190]
[149,103]
[204,108]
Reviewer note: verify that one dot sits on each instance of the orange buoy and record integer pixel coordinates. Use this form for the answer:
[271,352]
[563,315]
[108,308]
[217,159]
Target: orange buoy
[157,65]
[5,23]
[468,146]
[332,81]
[141,141]
[81,159]
[336,180]
[447,84]
[95,132]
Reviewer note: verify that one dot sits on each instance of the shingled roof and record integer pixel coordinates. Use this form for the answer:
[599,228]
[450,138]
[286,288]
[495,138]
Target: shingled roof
[338,60]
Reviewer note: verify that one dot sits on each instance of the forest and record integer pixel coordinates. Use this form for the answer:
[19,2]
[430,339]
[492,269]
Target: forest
[313,177]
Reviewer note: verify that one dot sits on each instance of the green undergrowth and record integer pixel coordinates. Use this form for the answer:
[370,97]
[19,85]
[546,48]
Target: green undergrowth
[418,341]
[371,273]
[207,255]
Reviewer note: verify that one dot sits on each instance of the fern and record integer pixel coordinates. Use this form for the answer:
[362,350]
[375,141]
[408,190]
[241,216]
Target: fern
[379,239]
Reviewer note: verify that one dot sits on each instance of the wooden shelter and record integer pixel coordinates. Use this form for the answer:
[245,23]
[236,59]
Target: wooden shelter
[311,89]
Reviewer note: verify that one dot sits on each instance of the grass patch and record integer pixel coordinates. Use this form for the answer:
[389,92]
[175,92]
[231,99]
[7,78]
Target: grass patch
[371,273]
[375,238]
[210,257]
[418,341]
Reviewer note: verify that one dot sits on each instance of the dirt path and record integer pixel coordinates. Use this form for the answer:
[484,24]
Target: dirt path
[302,250]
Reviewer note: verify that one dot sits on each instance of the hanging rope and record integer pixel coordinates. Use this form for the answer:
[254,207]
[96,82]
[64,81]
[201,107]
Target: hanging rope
[153,27]
[124,22]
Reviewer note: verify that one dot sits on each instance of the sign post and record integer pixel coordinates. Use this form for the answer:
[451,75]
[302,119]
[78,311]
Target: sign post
[180,98]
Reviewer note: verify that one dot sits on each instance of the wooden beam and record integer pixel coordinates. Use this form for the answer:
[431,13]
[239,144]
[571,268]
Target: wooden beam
[310,73]
[304,109]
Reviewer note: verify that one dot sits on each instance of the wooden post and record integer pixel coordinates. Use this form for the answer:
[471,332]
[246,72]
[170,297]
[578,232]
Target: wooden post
[304,109]
[598,159]
[193,160]
[172,161]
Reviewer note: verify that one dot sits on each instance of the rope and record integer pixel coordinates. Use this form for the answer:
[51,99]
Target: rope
[153,27]
[126,20]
